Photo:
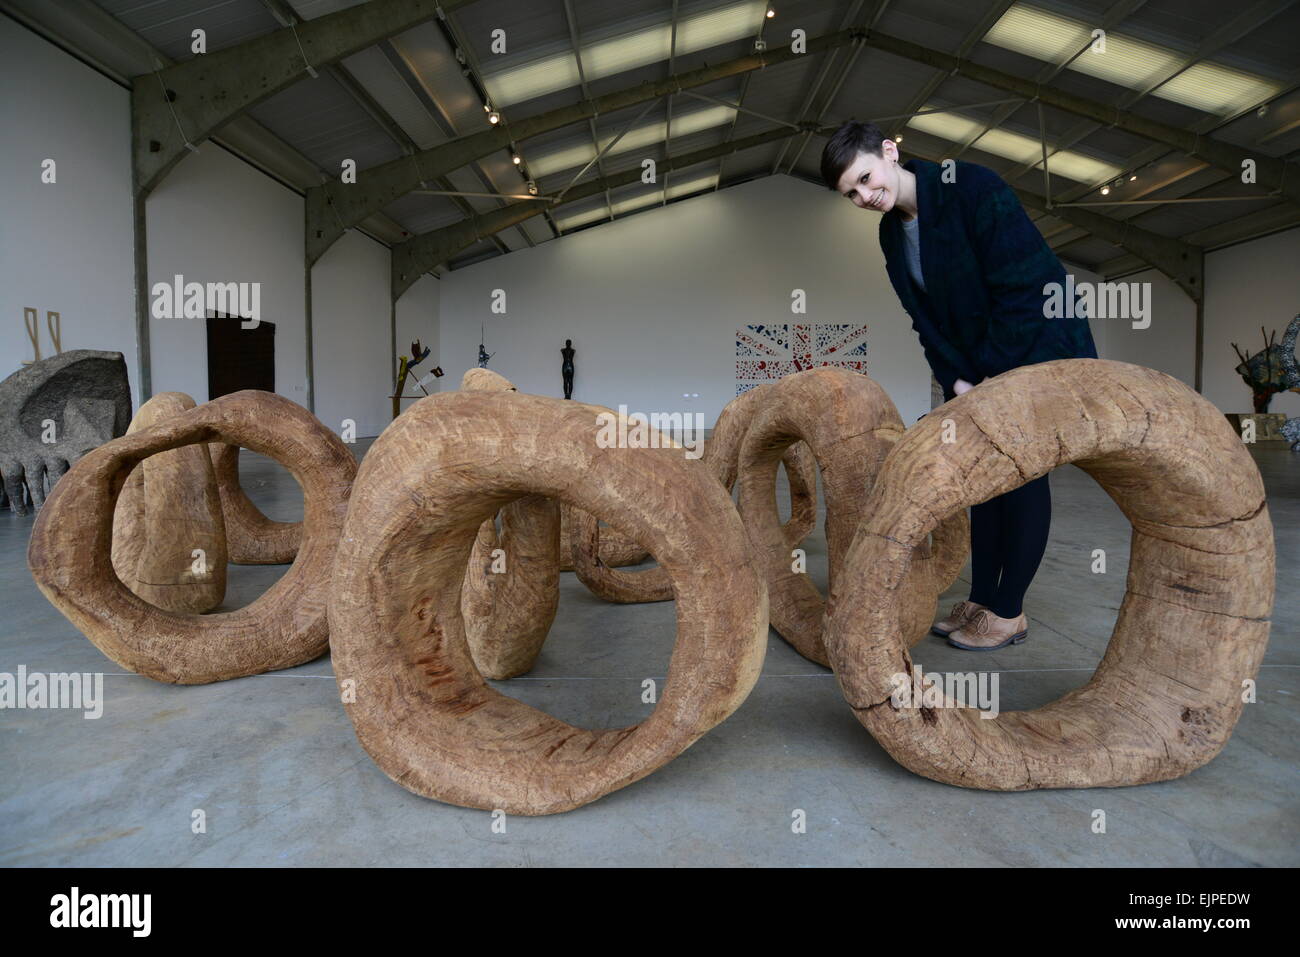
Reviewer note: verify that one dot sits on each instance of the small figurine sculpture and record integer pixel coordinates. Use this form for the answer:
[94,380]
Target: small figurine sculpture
[483,354]
[566,368]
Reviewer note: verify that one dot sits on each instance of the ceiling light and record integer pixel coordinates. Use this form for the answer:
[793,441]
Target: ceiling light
[532,188]
[770,13]
[1129,62]
[1026,150]
[494,117]
[1133,178]
[1105,191]
[898,138]
[728,23]
[517,159]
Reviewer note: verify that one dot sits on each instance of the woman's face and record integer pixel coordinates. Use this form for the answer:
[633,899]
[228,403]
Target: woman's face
[871,181]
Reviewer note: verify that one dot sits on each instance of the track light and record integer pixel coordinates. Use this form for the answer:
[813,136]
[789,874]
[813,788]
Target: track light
[1105,191]
[517,159]
[770,13]
[532,188]
[898,138]
[494,117]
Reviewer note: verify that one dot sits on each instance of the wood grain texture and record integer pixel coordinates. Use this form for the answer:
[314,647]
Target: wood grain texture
[253,538]
[69,551]
[512,583]
[587,538]
[1194,622]
[421,708]
[169,508]
[849,425]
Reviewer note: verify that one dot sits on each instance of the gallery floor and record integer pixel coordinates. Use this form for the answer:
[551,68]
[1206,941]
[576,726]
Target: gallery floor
[273,764]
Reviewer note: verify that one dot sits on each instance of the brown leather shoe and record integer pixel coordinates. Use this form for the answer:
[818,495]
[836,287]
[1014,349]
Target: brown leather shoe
[961,613]
[985,631]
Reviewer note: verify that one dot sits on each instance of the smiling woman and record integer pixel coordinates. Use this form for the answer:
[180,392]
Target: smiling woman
[972,271]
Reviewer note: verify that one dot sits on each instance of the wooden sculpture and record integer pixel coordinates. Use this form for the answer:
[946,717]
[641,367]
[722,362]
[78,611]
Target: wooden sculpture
[849,425]
[419,705]
[1195,618]
[512,583]
[69,552]
[252,538]
[169,539]
[587,539]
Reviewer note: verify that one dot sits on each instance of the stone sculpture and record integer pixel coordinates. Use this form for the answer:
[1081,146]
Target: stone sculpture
[53,412]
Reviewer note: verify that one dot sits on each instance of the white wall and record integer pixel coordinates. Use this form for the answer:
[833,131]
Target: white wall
[417,318]
[64,246]
[653,304]
[1168,344]
[69,247]
[351,334]
[214,218]
[1249,285]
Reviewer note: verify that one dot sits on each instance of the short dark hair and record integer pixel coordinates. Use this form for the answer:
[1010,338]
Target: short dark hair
[844,146]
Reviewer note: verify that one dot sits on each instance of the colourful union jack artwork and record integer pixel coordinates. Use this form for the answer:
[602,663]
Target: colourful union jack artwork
[766,353]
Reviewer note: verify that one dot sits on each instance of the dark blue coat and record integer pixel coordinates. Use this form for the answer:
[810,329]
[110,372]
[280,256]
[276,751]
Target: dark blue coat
[985,265]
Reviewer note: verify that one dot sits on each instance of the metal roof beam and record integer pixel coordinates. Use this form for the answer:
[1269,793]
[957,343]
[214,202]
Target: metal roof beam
[334,206]
[179,106]
[1269,171]
[417,256]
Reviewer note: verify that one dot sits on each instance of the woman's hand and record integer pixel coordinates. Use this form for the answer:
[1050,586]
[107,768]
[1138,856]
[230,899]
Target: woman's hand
[961,386]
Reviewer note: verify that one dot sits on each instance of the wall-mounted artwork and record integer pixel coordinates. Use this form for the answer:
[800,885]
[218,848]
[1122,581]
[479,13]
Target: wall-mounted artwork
[766,353]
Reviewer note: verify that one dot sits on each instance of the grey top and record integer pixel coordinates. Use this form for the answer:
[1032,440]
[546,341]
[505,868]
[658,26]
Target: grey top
[912,234]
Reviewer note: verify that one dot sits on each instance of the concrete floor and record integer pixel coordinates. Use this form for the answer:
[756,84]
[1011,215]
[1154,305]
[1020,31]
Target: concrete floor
[273,762]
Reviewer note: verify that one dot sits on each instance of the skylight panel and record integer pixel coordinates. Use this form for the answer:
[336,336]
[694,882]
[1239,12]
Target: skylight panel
[1129,62]
[601,58]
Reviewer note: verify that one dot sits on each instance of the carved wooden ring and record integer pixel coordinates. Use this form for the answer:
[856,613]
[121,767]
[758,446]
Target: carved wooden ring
[169,538]
[69,552]
[849,425]
[1195,618]
[512,581]
[252,538]
[418,703]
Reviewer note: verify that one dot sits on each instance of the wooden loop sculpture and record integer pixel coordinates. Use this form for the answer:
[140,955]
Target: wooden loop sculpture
[616,549]
[512,583]
[70,546]
[252,538]
[849,425]
[1195,617]
[722,454]
[420,706]
[587,539]
[169,539]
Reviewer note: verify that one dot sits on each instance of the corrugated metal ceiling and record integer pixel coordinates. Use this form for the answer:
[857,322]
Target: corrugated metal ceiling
[416,80]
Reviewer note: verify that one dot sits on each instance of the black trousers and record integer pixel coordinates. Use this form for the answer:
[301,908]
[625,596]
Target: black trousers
[1008,536]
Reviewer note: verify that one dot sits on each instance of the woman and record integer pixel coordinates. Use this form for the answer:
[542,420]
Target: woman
[973,272]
